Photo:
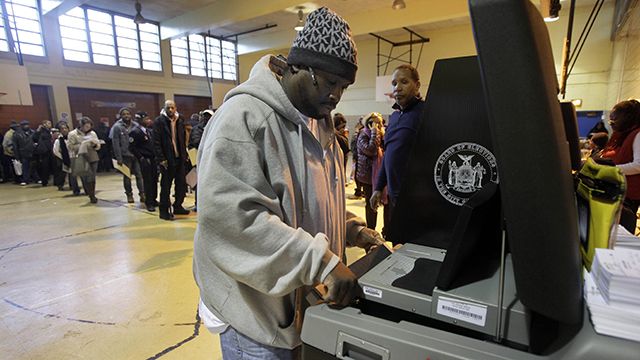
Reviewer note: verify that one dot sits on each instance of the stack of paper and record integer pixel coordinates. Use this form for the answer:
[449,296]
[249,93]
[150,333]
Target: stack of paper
[612,291]
[625,239]
[609,319]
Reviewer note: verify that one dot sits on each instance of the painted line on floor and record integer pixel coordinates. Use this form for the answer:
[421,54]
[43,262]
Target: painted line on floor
[23,244]
[196,332]
[48,315]
[10,249]
[56,316]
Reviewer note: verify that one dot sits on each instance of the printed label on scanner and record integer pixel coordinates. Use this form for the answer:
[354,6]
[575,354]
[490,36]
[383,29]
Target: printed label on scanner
[372,292]
[462,310]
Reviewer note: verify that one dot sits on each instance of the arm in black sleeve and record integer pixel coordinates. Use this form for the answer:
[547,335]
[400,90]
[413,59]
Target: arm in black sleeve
[157,140]
[134,141]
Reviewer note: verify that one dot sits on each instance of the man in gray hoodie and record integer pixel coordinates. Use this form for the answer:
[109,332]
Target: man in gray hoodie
[272,219]
[120,142]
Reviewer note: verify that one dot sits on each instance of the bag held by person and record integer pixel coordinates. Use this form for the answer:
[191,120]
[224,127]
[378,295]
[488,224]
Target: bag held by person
[17,167]
[80,166]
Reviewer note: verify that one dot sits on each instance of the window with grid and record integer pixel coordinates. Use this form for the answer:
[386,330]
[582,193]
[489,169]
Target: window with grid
[127,41]
[4,44]
[197,51]
[150,46]
[229,60]
[73,32]
[24,25]
[190,54]
[215,58]
[101,37]
[180,55]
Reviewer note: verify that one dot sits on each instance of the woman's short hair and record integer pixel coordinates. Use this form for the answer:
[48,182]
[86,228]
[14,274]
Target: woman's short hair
[86,120]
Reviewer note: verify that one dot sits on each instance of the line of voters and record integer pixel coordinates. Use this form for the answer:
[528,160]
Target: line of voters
[139,146]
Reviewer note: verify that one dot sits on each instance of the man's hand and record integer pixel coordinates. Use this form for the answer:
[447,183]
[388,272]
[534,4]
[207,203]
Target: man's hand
[341,285]
[164,165]
[376,200]
[368,238]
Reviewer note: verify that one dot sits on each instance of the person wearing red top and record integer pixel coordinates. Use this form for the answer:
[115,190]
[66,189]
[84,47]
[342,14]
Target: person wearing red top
[624,150]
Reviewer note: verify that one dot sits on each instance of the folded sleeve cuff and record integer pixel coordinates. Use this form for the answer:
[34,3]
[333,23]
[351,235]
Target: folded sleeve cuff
[331,264]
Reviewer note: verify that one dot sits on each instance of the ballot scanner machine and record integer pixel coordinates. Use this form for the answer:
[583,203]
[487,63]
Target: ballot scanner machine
[490,267]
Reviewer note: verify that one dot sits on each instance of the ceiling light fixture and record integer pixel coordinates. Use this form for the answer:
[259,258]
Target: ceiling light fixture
[300,24]
[398,4]
[139,19]
[550,9]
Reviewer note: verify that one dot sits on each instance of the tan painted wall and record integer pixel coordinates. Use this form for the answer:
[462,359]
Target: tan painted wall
[624,82]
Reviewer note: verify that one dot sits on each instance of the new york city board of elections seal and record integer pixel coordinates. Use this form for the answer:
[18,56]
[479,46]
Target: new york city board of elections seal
[462,170]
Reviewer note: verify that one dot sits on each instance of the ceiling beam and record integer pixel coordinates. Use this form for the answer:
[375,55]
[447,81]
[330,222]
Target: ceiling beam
[57,8]
[218,14]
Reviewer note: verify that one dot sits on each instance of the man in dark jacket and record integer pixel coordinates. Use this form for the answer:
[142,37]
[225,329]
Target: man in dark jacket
[198,129]
[23,148]
[400,135]
[43,151]
[102,130]
[171,155]
[141,146]
[194,140]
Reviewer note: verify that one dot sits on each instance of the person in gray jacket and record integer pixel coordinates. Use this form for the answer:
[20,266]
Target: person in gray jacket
[272,219]
[120,143]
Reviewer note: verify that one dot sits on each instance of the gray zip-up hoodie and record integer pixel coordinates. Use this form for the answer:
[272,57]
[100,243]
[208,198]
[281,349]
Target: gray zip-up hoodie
[271,210]
[119,136]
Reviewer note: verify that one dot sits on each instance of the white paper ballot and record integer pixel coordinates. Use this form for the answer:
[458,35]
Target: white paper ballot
[124,169]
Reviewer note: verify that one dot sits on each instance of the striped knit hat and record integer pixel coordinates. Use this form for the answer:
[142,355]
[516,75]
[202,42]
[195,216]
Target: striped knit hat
[326,43]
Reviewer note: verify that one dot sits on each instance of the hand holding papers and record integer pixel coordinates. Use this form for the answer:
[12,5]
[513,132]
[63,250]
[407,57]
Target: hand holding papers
[124,169]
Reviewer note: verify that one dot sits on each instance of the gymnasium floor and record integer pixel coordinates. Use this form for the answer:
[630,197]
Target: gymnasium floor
[104,281]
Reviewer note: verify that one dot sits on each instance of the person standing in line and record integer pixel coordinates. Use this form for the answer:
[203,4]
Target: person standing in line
[23,147]
[342,135]
[43,145]
[194,141]
[103,130]
[272,217]
[141,138]
[120,142]
[357,192]
[7,149]
[83,142]
[369,144]
[63,160]
[400,135]
[171,155]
